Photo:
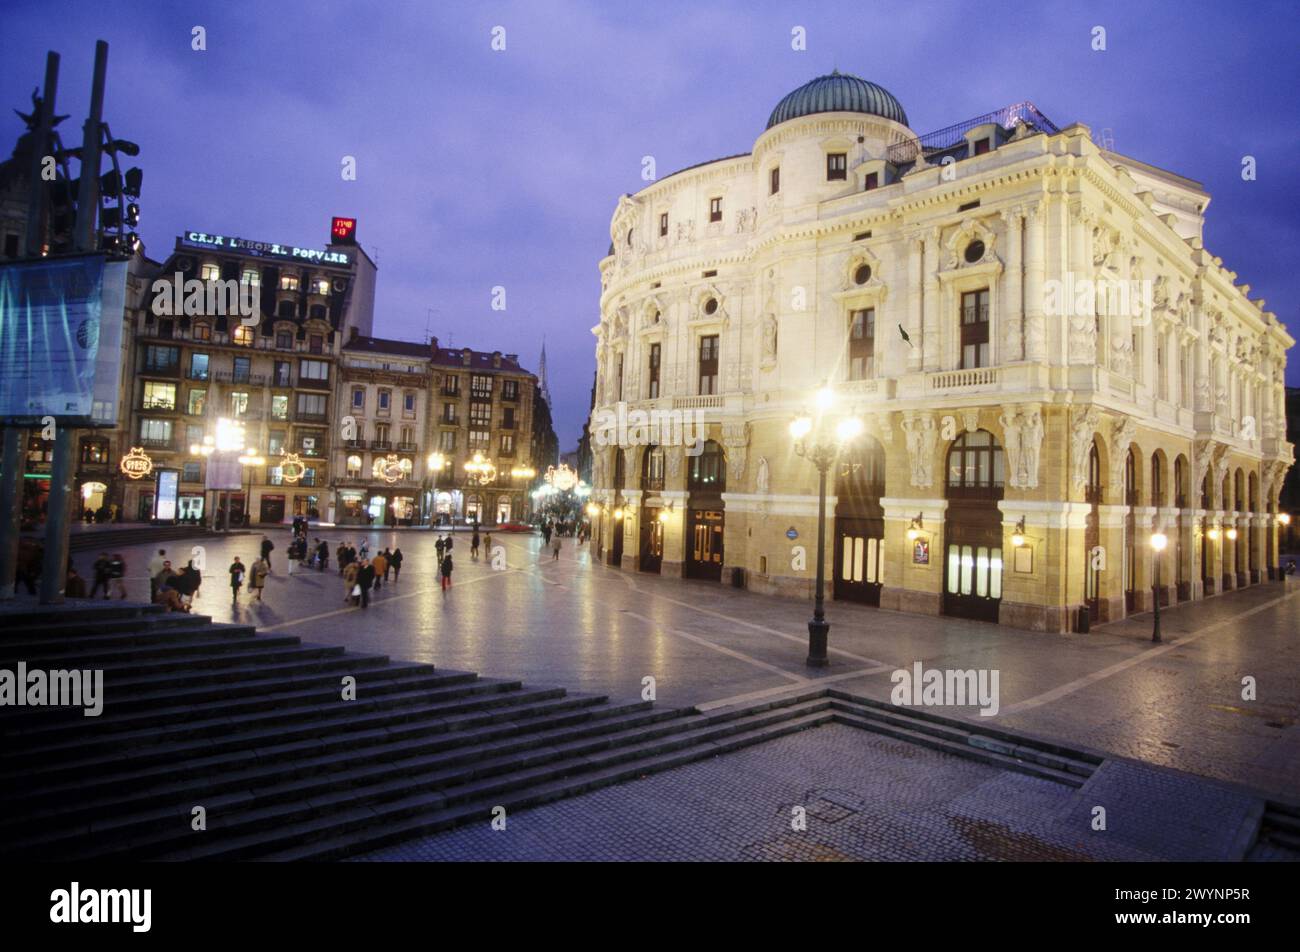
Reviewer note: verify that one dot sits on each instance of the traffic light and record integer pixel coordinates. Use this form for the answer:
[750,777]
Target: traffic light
[134,179]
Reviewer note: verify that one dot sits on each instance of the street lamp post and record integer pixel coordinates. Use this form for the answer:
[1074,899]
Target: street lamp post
[437,463]
[248,460]
[813,441]
[1158,543]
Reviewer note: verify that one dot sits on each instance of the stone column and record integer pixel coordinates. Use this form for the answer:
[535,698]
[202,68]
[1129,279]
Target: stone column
[932,352]
[915,246]
[1012,316]
[1035,255]
[1082,342]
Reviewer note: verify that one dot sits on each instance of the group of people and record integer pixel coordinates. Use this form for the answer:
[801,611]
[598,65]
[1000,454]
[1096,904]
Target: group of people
[445,564]
[363,575]
[167,587]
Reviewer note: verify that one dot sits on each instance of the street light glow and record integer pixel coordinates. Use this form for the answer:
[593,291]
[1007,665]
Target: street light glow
[1158,541]
[801,428]
[825,398]
[848,429]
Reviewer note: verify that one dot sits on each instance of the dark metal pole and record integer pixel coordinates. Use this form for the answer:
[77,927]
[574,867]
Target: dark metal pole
[11,504]
[1155,631]
[36,211]
[818,628]
[55,570]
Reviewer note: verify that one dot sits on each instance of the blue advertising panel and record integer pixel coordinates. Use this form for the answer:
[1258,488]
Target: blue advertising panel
[166,495]
[61,340]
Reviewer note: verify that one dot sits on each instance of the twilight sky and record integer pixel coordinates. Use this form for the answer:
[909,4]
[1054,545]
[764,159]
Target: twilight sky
[478,168]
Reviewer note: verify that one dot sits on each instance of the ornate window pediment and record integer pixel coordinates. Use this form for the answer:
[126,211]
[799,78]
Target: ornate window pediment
[960,247]
[862,273]
[703,310]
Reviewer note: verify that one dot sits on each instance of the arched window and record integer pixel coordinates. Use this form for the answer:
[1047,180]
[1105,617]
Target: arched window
[1130,479]
[861,472]
[1157,481]
[652,468]
[975,466]
[1180,482]
[709,469]
[1094,490]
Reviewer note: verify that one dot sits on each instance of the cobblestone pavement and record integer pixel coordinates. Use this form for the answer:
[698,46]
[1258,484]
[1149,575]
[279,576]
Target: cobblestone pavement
[590,628]
[865,797]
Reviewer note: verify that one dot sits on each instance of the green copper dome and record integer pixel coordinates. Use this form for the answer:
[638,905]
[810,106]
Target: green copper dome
[838,92]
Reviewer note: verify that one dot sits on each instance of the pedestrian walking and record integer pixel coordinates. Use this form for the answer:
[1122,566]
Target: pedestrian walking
[487,544]
[546,534]
[187,583]
[100,572]
[267,546]
[555,547]
[396,563]
[364,551]
[236,579]
[257,578]
[380,566]
[117,572]
[155,568]
[473,545]
[441,546]
[445,568]
[366,578]
[388,558]
[323,554]
[350,592]
[342,554]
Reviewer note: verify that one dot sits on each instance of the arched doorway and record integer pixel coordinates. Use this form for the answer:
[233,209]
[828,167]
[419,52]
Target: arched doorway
[705,513]
[1252,501]
[973,528]
[1207,503]
[1158,502]
[1130,531]
[620,478]
[1182,583]
[652,528]
[1092,573]
[859,523]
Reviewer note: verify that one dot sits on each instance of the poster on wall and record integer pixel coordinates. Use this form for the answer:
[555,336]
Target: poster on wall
[166,495]
[61,340]
[921,552]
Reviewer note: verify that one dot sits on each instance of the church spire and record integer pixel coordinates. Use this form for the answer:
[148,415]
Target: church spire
[541,375]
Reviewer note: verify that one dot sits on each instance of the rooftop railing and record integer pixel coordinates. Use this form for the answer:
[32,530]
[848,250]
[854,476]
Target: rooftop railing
[901,153]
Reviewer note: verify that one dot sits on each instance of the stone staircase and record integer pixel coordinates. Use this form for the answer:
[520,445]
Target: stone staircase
[254,729]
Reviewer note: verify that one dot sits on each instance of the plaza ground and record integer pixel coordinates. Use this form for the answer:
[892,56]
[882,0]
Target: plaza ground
[584,626]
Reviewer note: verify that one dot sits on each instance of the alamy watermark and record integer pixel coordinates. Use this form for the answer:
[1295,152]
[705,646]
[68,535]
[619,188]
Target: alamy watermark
[1073,297]
[620,426]
[213,297]
[936,687]
[34,687]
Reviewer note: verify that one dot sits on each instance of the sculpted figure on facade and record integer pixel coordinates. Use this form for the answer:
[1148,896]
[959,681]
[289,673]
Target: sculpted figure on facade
[1011,423]
[922,435]
[1031,442]
[763,480]
[769,341]
[1124,433]
[1083,427]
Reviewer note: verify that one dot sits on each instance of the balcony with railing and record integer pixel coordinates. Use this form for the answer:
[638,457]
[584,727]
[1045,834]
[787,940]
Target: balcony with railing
[382,445]
[408,447]
[166,444]
[304,416]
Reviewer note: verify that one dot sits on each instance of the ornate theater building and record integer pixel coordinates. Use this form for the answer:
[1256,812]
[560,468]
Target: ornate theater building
[1022,361]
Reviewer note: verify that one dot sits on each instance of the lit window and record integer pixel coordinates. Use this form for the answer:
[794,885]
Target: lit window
[250,277]
[159,396]
[323,287]
[210,272]
[288,282]
[202,332]
[244,335]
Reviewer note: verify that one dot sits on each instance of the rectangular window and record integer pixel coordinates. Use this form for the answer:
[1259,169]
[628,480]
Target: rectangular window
[313,370]
[449,413]
[871,181]
[618,376]
[197,402]
[283,374]
[202,332]
[284,340]
[451,385]
[447,441]
[275,443]
[837,166]
[159,396]
[250,278]
[480,441]
[288,282]
[663,225]
[654,371]
[709,364]
[159,359]
[198,366]
[210,272]
[280,406]
[385,400]
[862,344]
[240,370]
[508,418]
[774,180]
[238,402]
[358,398]
[480,387]
[715,209]
[190,473]
[408,403]
[94,451]
[510,390]
[480,414]
[243,335]
[507,444]
[193,435]
[316,344]
[981,146]
[155,432]
[311,404]
[975,329]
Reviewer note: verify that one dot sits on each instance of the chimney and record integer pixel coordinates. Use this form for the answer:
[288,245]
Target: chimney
[496,358]
[433,348]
